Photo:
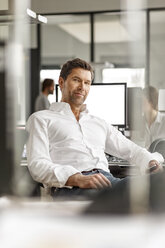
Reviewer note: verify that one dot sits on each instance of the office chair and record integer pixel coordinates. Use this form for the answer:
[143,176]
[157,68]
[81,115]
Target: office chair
[158,145]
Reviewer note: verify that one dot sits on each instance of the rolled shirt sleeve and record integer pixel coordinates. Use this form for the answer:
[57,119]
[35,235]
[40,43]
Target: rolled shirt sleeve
[39,161]
[118,145]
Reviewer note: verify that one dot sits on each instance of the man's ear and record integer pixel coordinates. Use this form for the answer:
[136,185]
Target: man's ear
[61,83]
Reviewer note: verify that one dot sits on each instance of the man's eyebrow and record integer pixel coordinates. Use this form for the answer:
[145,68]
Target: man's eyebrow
[80,78]
[76,77]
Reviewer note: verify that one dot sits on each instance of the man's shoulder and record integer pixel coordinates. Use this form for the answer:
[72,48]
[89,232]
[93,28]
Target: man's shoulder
[41,112]
[44,114]
[39,118]
[40,115]
[40,96]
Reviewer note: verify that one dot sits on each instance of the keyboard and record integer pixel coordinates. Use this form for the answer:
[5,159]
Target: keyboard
[117,161]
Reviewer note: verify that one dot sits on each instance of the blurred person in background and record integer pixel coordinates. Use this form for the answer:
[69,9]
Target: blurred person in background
[154,121]
[42,101]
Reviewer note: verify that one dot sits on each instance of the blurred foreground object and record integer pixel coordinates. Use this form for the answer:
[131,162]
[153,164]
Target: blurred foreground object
[118,200]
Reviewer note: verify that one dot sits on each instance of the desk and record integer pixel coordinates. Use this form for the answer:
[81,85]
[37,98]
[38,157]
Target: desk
[43,225]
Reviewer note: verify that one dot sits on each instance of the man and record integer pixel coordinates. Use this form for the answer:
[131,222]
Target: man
[154,121]
[66,146]
[42,101]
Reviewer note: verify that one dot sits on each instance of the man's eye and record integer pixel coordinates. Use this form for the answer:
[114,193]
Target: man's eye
[75,79]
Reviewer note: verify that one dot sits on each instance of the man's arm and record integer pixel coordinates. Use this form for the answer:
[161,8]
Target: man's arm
[118,145]
[40,164]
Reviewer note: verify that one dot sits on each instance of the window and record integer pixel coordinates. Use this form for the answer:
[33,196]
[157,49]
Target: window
[133,77]
[65,37]
[120,39]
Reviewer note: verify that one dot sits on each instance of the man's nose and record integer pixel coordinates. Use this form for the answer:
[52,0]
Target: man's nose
[82,85]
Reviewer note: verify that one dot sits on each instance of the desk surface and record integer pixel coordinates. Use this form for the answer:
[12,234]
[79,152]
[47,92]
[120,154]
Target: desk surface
[41,225]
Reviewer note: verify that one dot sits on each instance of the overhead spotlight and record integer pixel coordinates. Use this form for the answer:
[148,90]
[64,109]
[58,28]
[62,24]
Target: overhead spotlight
[31,13]
[42,19]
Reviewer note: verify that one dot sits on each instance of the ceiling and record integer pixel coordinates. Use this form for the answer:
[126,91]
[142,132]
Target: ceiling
[108,28]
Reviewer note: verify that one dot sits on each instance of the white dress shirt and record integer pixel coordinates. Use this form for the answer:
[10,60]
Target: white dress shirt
[60,146]
[155,131]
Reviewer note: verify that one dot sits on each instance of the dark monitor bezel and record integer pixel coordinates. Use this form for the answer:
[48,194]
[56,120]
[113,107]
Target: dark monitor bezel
[105,84]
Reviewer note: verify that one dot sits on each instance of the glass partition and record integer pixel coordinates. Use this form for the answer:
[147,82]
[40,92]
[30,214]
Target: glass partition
[114,35]
[65,37]
[157,52]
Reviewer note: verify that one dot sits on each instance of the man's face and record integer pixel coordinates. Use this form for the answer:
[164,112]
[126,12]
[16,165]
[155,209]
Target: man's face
[76,87]
[51,89]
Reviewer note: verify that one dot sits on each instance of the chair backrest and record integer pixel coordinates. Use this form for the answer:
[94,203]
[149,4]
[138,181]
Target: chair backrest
[158,145]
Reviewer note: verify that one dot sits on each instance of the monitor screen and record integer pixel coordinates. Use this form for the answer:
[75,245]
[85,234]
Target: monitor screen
[107,101]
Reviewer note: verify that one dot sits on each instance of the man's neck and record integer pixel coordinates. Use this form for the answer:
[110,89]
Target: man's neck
[151,117]
[76,111]
[45,93]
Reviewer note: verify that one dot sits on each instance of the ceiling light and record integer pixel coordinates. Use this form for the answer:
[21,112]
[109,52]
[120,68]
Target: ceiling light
[42,19]
[31,13]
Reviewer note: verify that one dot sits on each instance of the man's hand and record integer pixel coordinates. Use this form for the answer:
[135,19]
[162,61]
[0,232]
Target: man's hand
[154,166]
[95,181]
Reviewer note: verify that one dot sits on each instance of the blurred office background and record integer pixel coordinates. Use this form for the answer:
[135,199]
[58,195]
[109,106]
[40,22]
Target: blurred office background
[123,40]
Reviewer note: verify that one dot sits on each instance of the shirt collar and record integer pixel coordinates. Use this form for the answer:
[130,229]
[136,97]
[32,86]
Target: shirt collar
[65,107]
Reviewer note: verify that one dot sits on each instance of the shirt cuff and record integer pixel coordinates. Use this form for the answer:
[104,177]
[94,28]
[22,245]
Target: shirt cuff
[62,174]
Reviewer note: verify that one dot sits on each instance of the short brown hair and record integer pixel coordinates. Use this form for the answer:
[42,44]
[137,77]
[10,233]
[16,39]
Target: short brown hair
[47,83]
[75,63]
[151,94]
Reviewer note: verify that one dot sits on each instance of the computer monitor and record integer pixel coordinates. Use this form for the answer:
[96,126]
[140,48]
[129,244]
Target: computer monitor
[107,101]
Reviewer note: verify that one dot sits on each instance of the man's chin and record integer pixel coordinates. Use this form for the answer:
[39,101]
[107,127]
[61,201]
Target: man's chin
[78,102]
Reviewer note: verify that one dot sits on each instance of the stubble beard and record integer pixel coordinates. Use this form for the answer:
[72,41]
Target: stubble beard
[77,100]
